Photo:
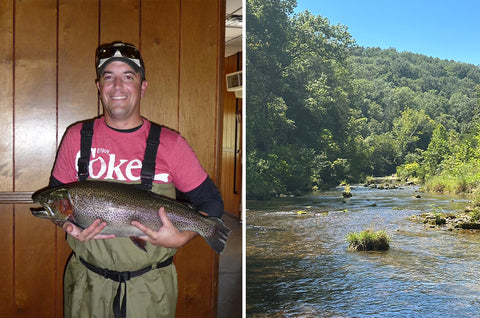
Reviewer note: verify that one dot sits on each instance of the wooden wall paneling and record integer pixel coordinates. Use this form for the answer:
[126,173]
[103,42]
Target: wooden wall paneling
[77,41]
[160,40]
[120,20]
[199,108]
[35,92]
[7,272]
[35,144]
[197,268]
[35,293]
[198,112]
[6,95]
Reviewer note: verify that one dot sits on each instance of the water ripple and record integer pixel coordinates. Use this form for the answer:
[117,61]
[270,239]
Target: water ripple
[298,264]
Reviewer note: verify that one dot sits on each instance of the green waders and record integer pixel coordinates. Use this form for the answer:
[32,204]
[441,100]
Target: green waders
[89,295]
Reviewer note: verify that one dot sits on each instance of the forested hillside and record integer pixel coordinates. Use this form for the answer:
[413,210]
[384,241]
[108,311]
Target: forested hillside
[322,110]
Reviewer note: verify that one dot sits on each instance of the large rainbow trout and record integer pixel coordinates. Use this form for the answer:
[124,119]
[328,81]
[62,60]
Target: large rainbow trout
[119,204]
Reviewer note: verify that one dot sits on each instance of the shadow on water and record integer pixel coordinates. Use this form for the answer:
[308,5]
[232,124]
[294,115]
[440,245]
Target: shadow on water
[298,264]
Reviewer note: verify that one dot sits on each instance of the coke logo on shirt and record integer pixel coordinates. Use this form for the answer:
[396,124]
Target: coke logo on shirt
[109,167]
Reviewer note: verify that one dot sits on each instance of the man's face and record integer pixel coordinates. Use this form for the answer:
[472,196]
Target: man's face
[121,90]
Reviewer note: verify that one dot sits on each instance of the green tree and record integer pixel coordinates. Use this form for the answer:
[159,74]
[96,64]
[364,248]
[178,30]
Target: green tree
[382,154]
[412,130]
[268,34]
[317,89]
[438,150]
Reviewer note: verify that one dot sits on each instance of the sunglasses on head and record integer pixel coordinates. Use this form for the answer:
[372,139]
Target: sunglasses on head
[113,50]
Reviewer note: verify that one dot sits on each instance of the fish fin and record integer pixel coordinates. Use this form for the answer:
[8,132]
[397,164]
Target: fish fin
[58,222]
[139,242]
[217,237]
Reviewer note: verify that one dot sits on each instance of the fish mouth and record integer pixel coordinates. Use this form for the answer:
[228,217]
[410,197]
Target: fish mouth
[40,212]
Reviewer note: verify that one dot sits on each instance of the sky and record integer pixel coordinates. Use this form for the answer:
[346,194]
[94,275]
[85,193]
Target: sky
[449,30]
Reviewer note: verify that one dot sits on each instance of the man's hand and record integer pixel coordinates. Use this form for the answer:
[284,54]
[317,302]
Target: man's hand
[168,235]
[89,233]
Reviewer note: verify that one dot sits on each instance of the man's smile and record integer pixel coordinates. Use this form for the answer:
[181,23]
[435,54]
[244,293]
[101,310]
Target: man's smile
[118,97]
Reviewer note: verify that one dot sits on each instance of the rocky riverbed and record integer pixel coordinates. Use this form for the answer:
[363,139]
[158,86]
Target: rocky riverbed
[469,219]
[466,220]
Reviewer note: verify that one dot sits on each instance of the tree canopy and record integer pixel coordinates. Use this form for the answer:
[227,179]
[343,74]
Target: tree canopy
[321,109]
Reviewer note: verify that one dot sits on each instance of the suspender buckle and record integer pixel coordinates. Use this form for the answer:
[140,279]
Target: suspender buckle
[82,166]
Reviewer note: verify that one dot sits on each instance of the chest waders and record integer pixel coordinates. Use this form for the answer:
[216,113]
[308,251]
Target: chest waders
[147,176]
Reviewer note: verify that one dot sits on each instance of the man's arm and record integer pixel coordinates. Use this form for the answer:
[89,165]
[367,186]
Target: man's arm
[206,198]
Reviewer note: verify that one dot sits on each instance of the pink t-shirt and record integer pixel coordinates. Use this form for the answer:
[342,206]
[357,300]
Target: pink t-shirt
[118,156]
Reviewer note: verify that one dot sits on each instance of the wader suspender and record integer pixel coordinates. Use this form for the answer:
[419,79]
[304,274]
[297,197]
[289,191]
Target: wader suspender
[150,157]
[147,177]
[85,148]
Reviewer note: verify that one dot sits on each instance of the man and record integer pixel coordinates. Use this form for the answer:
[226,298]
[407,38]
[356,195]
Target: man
[104,272]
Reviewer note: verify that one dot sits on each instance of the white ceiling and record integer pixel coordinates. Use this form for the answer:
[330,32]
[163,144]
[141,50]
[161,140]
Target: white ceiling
[233,32]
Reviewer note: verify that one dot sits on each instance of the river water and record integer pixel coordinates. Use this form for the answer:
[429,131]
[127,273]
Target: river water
[298,264]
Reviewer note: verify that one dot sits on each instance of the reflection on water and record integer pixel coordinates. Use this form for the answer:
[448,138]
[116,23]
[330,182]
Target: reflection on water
[298,264]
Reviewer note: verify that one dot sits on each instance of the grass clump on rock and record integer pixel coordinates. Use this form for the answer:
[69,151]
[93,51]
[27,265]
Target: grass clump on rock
[368,240]
[347,191]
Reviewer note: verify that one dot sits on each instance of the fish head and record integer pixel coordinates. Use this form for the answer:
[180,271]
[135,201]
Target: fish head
[56,204]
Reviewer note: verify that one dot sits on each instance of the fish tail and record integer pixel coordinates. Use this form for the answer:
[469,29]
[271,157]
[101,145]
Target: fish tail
[217,237]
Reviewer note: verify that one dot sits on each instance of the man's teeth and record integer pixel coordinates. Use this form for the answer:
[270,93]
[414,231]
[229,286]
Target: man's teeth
[119,97]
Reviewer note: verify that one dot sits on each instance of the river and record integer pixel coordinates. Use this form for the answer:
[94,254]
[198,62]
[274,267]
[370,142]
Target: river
[298,264]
